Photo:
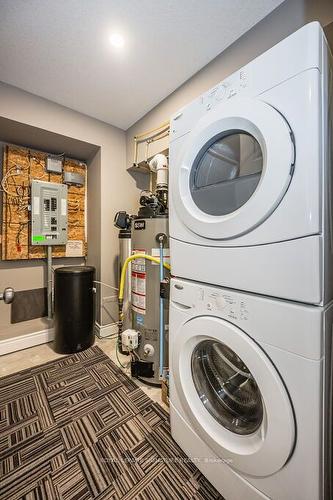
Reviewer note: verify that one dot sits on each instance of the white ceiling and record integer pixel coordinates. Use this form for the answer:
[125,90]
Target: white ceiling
[60,49]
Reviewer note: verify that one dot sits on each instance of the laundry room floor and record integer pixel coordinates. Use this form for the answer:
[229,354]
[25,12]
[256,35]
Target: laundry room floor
[33,356]
[78,427]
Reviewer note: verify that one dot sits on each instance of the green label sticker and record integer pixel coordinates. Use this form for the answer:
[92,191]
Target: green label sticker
[38,238]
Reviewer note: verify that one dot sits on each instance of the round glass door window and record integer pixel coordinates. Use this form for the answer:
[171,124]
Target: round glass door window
[226,387]
[226,173]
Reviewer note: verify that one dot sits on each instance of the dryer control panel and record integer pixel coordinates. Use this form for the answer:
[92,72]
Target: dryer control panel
[234,85]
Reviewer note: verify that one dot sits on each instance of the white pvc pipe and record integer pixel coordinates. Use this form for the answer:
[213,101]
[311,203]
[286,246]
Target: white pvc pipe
[159,164]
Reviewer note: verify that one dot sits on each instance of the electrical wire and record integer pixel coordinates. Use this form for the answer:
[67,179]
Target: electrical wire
[73,205]
[12,172]
[117,356]
[18,235]
[106,284]
[57,155]
[18,197]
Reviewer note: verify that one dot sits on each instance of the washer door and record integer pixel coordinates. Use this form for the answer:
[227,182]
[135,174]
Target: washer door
[233,396]
[236,167]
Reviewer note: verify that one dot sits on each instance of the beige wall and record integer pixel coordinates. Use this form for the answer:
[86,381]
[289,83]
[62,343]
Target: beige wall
[286,19]
[110,188]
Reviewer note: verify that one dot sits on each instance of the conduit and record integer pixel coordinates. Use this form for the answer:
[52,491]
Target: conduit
[161,364]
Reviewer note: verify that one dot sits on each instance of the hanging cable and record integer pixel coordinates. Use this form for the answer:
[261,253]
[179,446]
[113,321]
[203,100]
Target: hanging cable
[117,356]
[106,284]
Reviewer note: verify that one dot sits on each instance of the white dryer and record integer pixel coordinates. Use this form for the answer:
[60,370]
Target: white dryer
[251,176]
[251,392]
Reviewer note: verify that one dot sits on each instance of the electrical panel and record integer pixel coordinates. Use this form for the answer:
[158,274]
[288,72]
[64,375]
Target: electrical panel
[48,213]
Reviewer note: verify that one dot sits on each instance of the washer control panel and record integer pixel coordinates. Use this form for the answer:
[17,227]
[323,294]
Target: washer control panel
[212,300]
[226,304]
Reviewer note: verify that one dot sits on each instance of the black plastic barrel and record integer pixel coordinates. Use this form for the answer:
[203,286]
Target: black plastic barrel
[74,309]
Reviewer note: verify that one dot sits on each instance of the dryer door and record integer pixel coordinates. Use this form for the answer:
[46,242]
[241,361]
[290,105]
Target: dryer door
[234,170]
[233,396]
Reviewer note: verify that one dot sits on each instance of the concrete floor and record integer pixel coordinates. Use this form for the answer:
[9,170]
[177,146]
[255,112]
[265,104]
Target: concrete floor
[33,356]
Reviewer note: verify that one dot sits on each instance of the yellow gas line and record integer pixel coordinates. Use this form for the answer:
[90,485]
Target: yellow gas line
[125,266]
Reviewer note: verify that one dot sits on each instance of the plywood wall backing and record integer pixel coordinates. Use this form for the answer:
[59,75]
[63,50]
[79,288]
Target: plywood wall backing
[16,230]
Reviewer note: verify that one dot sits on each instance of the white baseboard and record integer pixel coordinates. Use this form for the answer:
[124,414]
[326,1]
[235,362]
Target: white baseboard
[25,341]
[42,337]
[105,331]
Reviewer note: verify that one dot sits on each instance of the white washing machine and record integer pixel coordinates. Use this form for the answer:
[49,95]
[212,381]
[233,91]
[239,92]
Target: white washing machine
[251,391]
[251,176]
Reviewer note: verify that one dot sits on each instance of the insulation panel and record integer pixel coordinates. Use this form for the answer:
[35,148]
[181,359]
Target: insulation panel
[20,167]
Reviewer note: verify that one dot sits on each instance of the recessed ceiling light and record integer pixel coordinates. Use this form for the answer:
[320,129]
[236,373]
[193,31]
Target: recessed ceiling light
[117,40]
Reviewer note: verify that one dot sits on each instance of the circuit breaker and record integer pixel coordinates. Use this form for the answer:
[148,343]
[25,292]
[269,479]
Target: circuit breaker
[48,213]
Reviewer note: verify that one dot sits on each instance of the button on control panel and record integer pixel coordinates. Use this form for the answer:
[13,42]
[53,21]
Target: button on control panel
[232,92]
[220,302]
[221,92]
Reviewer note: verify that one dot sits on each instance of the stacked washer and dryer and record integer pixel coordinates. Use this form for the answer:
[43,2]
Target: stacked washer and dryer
[251,310]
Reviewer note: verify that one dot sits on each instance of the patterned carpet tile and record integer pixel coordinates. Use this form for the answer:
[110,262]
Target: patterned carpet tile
[78,429]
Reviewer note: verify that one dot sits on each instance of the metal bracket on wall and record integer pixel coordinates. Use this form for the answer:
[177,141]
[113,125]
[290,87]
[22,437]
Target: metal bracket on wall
[7,295]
